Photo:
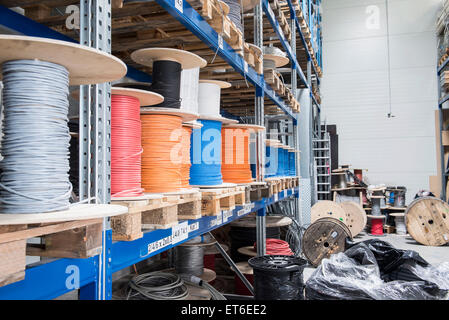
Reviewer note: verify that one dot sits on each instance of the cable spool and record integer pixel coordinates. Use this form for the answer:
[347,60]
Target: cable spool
[273,58]
[209,93]
[189,260]
[278,277]
[161,168]
[167,65]
[272,157]
[244,237]
[342,178]
[235,154]
[35,146]
[399,197]
[235,13]
[210,254]
[326,208]
[399,222]
[186,164]
[74,156]
[427,221]
[189,89]
[248,273]
[206,157]
[355,217]
[126,148]
[324,237]
[292,162]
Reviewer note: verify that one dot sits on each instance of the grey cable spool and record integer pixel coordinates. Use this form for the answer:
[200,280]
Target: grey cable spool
[273,58]
[189,260]
[399,197]
[36,138]
[235,13]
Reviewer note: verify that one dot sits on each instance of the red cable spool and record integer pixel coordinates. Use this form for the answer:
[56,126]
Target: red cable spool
[126,148]
[377,227]
[276,247]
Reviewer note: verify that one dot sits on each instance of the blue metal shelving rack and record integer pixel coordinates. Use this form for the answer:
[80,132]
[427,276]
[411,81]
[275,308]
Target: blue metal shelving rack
[93,276]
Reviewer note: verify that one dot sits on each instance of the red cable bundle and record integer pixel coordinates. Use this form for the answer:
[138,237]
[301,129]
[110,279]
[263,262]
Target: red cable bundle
[377,227]
[126,148]
[276,247]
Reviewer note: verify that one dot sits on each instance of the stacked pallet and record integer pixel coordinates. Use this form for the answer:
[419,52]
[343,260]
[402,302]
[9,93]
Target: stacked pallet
[281,18]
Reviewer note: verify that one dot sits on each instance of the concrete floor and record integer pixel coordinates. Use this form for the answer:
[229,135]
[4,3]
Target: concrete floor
[433,255]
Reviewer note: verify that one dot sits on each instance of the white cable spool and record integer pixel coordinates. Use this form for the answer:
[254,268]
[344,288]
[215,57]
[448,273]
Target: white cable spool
[209,94]
[189,89]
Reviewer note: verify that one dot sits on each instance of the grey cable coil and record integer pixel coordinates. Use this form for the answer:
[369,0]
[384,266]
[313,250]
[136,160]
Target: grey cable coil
[235,13]
[189,260]
[157,286]
[36,138]
[271,64]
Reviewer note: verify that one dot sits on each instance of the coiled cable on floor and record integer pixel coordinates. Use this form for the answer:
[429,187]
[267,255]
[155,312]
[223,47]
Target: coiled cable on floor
[36,138]
[126,147]
[157,286]
[197,282]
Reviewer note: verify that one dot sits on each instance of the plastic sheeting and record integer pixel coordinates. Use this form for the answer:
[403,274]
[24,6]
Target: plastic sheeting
[375,270]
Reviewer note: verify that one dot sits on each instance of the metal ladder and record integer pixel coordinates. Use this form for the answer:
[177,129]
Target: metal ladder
[322,158]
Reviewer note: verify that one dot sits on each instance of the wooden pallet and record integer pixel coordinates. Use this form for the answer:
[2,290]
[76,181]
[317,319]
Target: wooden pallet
[157,211]
[71,239]
[274,185]
[216,200]
[253,58]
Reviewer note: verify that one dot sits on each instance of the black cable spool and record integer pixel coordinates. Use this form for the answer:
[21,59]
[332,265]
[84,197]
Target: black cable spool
[167,82]
[74,157]
[243,237]
[278,277]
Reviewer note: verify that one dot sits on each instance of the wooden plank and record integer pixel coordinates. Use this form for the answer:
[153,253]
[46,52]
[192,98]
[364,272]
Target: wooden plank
[76,243]
[39,231]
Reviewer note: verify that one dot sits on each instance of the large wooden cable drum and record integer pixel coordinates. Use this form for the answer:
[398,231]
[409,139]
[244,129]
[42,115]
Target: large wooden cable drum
[326,208]
[324,237]
[355,217]
[427,221]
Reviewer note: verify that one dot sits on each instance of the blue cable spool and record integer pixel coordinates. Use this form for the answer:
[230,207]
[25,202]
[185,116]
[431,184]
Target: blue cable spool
[271,161]
[281,166]
[205,154]
[291,156]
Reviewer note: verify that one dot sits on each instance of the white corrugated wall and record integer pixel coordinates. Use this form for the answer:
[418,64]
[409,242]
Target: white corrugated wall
[356,87]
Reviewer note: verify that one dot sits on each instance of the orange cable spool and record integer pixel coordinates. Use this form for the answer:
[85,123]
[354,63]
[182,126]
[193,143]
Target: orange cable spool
[185,145]
[162,153]
[235,166]
[126,146]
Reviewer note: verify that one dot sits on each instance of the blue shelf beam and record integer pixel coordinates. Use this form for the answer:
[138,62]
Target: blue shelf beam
[277,28]
[127,253]
[298,28]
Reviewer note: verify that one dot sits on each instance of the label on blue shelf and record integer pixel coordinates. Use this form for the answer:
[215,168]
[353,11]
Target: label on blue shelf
[246,209]
[226,215]
[194,226]
[245,66]
[178,5]
[285,193]
[276,197]
[180,232]
[220,41]
[157,245]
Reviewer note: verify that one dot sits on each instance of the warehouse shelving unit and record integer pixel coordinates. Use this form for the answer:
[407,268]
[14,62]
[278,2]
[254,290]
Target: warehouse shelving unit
[93,276]
[441,101]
